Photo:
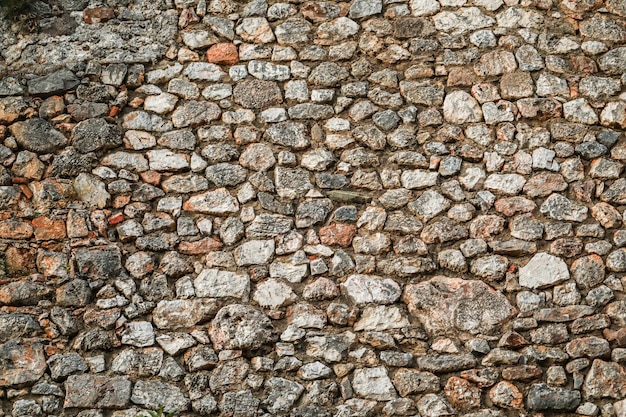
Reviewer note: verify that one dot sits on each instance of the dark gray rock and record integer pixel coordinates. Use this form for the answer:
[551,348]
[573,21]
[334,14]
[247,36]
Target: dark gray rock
[38,135]
[99,263]
[542,397]
[56,83]
[64,365]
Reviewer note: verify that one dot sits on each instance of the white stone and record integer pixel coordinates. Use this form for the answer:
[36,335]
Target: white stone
[272,293]
[166,160]
[460,107]
[424,7]
[254,252]
[509,184]
[220,284]
[418,179]
[373,384]
[364,289]
[288,271]
[161,104]
[543,270]
[579,111]
[380,318]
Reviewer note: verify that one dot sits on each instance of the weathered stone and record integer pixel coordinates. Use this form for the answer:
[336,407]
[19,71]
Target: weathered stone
[363,289]
[38,135]
[240,327]
[373,383]
[543,270]
[177,314]
[87,391]
[148,393]
[542,397]
[441,305]
[21,364]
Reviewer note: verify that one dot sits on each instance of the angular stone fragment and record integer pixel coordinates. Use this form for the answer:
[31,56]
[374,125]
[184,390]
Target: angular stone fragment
[257,94]
[149,393]
[56,83]
[542,271]
[558,207]
[177,314]
[38,135]
[215,283]
[272,293]
[291,134]
[91,191]
[364,289]
[95,134]
[444,304]
[217,202]
[605,380]
[282,394]
[373,383]
[87,391]
[543,397]
[21,364]
[240,327]
[459,107]
[445,363]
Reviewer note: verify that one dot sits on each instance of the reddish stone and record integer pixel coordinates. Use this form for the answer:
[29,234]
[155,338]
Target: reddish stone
[486,226]
[544,184]
[566,247]
[606,215]
[20,261]
[151,177]
[21,363]
[512,205]
[116,218]
[512,339]
[95,15]
[120,201]
[223,53]
[337,234]
[584,64]
[506,395]
[521,373]
[48,229]
[15,229]
[462,394]
[200,247]
[26,191]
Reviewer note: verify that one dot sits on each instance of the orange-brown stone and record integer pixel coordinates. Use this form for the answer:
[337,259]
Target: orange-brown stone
[337,234]
[200,247]
[48,229]
[14,229]
[223,53]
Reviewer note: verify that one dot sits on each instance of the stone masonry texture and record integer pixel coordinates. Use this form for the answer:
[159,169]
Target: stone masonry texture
[313,208]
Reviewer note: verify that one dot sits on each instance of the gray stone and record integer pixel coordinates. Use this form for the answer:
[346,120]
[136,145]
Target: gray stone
[149,393]
[38,135]
[100,391]
[240,327]
[442,305]
[56,83]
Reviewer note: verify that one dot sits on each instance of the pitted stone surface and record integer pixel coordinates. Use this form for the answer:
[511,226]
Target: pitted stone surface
[313,208]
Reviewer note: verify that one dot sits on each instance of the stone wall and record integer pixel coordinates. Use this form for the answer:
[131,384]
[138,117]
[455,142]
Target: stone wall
[314,208]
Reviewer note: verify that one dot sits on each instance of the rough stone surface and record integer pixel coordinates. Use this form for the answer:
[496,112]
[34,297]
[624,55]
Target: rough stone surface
[446,304]
[313,208]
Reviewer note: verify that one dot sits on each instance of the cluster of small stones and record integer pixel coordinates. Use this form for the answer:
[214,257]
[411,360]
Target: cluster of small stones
[314,209]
